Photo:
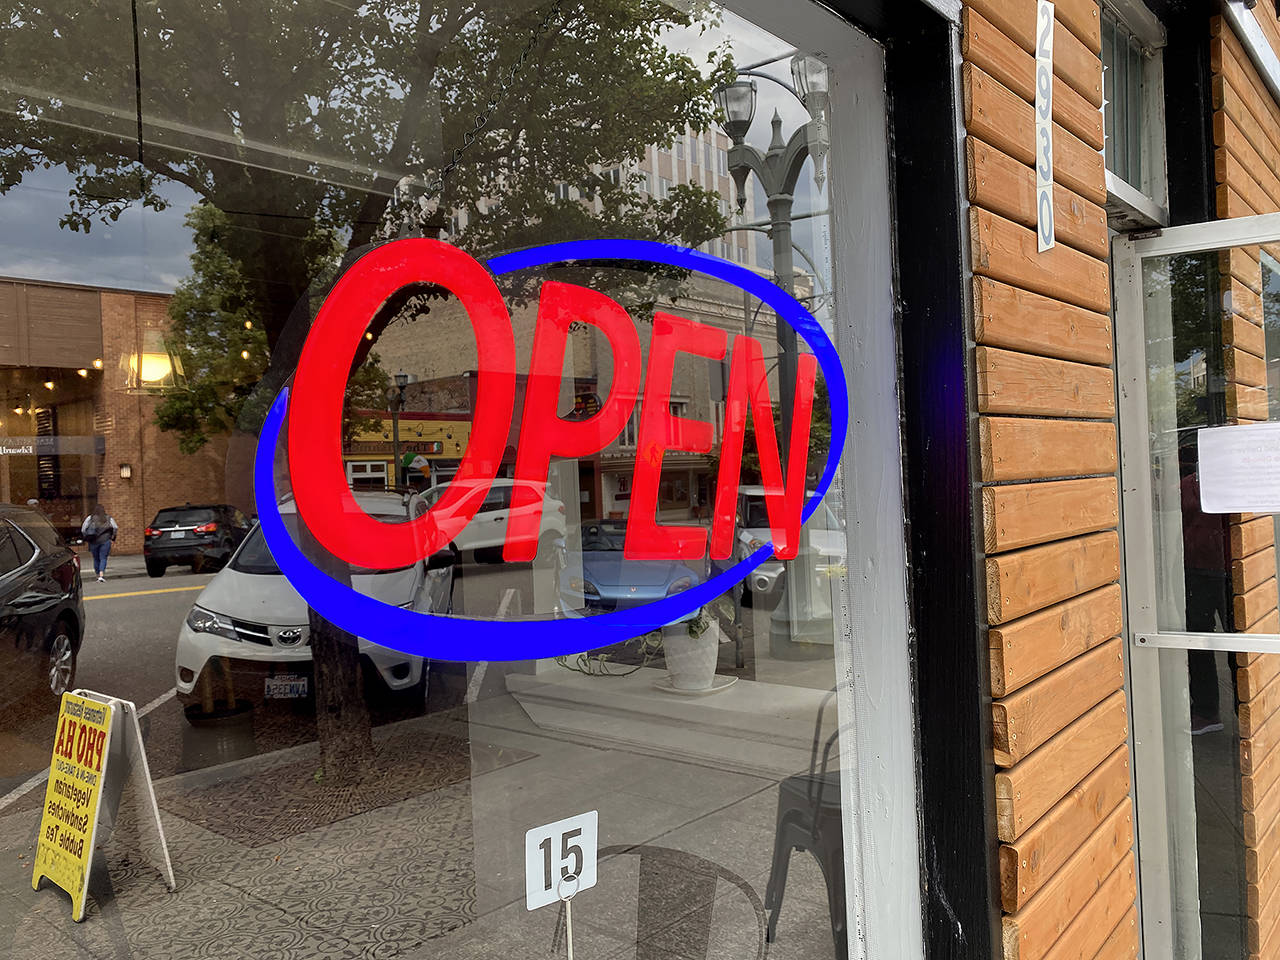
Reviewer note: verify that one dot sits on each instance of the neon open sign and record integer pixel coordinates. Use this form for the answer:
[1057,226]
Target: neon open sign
[325,502]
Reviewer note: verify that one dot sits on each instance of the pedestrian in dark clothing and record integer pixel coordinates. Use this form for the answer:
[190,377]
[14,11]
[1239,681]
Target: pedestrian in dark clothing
[99,529]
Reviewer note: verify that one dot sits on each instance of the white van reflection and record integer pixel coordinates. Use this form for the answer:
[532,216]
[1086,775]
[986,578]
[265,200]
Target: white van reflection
[764,585]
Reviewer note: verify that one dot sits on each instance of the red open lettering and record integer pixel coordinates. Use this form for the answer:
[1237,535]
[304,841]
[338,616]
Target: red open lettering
[749,393]
[543,433]
[661,431]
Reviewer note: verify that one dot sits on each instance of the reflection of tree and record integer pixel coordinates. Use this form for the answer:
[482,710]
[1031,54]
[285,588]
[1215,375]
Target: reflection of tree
[296,120]
[293,122]
[1189,284]
[819,439]
[219,336]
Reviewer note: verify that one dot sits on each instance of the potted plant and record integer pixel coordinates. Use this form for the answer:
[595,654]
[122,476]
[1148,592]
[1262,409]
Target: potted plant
[691,648]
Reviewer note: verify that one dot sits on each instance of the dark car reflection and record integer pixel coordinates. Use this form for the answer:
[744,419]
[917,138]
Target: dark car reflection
[41,610]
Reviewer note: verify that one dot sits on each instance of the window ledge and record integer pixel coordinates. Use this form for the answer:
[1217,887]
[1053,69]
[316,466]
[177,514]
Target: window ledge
[1130,209]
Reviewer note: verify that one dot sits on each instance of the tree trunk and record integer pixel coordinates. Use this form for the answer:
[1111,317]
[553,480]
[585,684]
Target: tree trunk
[342,715]
[343,727]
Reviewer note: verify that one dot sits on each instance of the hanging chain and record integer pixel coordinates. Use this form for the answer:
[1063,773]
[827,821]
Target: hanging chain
[506,79]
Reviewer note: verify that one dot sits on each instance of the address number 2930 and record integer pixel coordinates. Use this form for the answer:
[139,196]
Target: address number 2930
[1044,125]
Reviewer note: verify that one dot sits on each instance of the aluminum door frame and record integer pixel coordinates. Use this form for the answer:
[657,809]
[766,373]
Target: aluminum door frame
[1169,912]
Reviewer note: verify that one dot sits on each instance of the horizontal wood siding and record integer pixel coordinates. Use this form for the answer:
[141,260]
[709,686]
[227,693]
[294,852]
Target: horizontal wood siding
[1246,133]
[1045,402]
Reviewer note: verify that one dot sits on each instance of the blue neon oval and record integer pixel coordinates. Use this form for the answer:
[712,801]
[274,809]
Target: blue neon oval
[442,637]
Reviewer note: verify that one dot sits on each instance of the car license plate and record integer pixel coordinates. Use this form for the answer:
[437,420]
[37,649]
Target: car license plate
[286,686]
[177,534]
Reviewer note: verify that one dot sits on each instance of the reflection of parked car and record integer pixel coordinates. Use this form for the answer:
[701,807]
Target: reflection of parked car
[203,536]
[251,615]
[482,539]
[610,581]
[41,608]
[826,537]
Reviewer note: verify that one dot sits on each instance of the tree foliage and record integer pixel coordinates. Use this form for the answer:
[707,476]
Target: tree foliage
[217,333]
[294,123]
[297,120]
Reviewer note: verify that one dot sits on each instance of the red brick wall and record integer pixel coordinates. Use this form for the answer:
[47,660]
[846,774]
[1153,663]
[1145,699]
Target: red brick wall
[162,474]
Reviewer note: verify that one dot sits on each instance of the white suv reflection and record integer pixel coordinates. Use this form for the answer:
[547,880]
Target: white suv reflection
[251,615]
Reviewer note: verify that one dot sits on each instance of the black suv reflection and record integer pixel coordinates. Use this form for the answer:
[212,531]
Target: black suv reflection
[203,536]
[41,608]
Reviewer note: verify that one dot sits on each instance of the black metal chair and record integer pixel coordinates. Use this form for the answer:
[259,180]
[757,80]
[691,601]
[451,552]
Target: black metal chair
[809,819]
[676,883]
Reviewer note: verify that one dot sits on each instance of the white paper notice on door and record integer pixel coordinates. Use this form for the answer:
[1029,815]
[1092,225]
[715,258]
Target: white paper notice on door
[1240,468]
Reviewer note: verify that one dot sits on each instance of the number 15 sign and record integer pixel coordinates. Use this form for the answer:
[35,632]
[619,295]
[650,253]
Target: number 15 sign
[560,859]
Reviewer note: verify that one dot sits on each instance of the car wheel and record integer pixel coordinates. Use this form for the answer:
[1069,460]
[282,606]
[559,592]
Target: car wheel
[60,659]
[378,694]
[155,568]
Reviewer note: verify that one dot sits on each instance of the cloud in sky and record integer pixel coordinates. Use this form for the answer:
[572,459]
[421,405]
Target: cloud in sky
[143,250]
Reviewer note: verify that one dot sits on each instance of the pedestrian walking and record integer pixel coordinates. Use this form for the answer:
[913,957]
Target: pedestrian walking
[99,529]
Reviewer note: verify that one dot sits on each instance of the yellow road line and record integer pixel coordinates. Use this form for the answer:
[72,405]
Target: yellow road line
[142,593]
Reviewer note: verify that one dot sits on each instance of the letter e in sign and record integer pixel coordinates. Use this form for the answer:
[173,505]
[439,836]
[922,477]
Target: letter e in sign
[560,859]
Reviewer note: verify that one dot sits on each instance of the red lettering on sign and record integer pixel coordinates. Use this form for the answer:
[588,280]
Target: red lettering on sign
[749,393]
[661,431]
[314,439]
[99,740]
[315,408]
[544,434]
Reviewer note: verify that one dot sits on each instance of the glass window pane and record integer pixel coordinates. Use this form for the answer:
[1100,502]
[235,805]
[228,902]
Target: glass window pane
[335,789]
[1211,339]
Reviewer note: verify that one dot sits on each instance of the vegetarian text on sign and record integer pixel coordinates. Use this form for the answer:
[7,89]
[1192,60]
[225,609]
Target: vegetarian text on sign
[64,846]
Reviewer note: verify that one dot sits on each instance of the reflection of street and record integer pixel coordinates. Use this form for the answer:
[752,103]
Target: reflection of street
[128,652]
[428,844]
[132,625]
[130,630]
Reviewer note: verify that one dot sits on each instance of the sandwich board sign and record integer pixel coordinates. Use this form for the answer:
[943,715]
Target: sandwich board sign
[98,751]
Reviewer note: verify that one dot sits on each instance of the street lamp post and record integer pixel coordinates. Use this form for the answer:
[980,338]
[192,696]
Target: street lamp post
[396,396]
[778,169]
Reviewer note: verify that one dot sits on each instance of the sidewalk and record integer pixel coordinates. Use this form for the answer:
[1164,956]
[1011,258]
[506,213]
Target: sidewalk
[426,858]
[120,566]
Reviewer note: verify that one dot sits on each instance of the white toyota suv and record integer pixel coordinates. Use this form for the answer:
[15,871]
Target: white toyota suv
[250,618]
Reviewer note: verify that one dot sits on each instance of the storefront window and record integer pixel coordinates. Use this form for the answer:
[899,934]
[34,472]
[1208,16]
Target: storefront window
[186,192]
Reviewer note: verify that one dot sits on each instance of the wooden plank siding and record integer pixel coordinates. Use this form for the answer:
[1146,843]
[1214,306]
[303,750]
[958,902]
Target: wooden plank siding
[1044,377]
[1246,134]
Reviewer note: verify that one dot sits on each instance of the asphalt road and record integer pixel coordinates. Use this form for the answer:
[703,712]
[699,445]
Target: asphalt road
[131,630]
[131,626]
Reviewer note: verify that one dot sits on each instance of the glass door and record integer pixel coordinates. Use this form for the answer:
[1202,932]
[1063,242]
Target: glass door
[1198,329]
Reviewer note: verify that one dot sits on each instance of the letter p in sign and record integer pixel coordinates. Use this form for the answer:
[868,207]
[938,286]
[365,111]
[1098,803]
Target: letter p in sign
[560,859]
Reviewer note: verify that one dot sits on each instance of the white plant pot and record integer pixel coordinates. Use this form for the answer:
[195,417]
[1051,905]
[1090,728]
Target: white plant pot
[691,661]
